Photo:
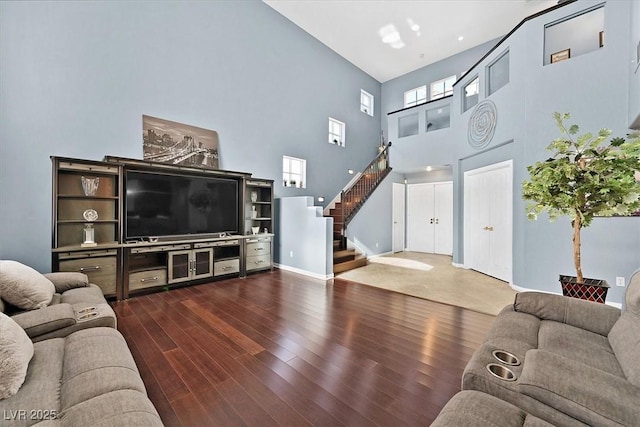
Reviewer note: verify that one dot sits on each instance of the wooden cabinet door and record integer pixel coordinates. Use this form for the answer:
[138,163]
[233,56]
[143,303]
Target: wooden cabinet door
[179,266]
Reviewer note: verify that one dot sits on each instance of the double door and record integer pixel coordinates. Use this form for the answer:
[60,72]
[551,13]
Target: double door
[488,213]
[190,265]
[430,218]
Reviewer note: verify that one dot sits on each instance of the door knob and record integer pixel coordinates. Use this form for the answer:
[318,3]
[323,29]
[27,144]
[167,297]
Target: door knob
[431,221]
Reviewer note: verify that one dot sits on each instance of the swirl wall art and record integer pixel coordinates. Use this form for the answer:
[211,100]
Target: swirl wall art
[482,124]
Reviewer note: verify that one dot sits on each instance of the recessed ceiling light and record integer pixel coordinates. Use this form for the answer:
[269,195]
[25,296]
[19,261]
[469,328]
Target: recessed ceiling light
[460,38]
[429,168]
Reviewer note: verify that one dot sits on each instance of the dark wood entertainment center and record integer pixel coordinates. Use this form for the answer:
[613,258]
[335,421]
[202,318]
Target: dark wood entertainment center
[88,229]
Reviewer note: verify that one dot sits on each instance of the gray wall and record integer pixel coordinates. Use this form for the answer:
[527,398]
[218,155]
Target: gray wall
[303,237]
[76,78]
[634,68]
[595,88]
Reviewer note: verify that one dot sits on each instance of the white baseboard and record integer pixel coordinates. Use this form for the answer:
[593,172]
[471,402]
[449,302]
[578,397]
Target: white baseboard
[304,272]
[379,255]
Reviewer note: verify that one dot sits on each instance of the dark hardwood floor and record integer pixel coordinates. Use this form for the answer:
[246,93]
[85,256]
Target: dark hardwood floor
[281,349]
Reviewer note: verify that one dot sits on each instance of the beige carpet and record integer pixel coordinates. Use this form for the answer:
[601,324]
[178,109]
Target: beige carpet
[433,277]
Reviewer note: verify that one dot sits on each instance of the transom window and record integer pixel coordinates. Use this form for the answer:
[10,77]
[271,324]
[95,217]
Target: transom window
[415,96]
[471,93]
[294,172]
[442,88]
[366,102]
[337,131]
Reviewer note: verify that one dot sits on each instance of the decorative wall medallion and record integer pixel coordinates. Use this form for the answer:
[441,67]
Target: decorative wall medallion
[482,124]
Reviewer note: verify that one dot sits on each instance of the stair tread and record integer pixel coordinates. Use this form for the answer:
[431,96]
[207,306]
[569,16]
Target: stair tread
[349,265]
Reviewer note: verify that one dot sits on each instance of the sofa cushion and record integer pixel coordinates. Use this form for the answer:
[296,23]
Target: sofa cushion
[97,361]
[41,389]
[625,334]
[585,393]
[129,408]
[23,286]
[578,344]
[583,314]
[16,350]
[90,295]
[474,408]
[63,280]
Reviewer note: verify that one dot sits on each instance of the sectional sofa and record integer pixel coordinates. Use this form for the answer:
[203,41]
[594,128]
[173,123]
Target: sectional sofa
[62,362]
[554,360]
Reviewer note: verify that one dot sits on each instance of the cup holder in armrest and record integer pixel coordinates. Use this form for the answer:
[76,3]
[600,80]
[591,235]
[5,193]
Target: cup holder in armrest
[86,310]
[506,357]
[501,372]
[87,316]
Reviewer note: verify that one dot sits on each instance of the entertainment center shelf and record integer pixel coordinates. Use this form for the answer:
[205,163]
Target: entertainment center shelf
[137,226]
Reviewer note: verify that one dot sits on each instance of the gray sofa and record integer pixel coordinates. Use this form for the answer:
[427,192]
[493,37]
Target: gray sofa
[62,362]
[88,378]
[578,362]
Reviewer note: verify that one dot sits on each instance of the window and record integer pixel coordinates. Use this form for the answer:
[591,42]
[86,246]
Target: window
[408,125]
[471,91]
[294,172]
[498,73]
[336,132]
[442,88]
[415,96]
[366,102]
[438,118]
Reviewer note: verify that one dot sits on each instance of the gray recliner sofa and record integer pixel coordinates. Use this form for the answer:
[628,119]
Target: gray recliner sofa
[558,360]
[88,378]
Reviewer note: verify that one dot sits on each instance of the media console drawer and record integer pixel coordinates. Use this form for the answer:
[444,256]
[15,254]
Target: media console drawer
[257,262]
[226,266]
[100,270]
[147,279]
[258,248]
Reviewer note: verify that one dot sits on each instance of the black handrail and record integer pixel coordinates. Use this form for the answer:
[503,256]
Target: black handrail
[353,197]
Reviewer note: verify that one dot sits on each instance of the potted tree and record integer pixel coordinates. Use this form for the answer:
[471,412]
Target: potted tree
[586,176]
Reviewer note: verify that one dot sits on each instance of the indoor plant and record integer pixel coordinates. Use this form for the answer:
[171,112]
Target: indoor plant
[586,176]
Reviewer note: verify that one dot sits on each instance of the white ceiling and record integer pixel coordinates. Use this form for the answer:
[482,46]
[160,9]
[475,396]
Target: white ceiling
[352,28]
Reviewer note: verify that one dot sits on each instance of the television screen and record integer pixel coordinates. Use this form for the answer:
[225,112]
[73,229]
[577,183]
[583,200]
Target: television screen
[170,205]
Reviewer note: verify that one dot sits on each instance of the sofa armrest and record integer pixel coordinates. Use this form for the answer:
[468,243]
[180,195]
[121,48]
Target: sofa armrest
[583,314]
[583,392]
[44,320]
[63,281]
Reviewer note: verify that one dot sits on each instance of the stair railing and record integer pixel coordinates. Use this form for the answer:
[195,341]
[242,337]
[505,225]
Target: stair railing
[352,198]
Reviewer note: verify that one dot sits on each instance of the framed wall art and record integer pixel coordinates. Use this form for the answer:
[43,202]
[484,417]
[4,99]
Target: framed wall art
[179,144]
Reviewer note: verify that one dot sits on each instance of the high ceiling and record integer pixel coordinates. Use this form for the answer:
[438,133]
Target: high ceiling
[389,38]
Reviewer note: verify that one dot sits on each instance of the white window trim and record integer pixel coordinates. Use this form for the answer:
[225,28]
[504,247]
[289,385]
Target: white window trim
[443,83]
[363,106]
[288,176]
[337,138]
[414,92]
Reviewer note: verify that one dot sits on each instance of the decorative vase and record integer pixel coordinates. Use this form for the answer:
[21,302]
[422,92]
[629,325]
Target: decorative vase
[255,230]
[591,289]
[90,185]
[254,213]
[254,196]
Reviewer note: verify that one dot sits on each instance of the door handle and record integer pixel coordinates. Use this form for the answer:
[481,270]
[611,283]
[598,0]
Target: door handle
[487,228]
[437,221]
[431,221]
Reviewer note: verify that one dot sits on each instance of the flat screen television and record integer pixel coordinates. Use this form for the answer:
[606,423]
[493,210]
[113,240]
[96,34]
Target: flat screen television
[164,205]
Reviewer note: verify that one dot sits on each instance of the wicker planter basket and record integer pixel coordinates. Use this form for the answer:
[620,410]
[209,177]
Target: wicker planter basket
[591,289]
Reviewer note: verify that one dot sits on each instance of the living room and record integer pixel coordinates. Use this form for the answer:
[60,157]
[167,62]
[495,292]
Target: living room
[77,78]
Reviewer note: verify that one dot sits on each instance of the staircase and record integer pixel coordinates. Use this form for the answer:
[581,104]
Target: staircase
[351,200]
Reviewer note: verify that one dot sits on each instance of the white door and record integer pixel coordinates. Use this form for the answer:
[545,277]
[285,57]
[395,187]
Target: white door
[419,217]
[443,218]
[430,218]
[488,216]
[398,217]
